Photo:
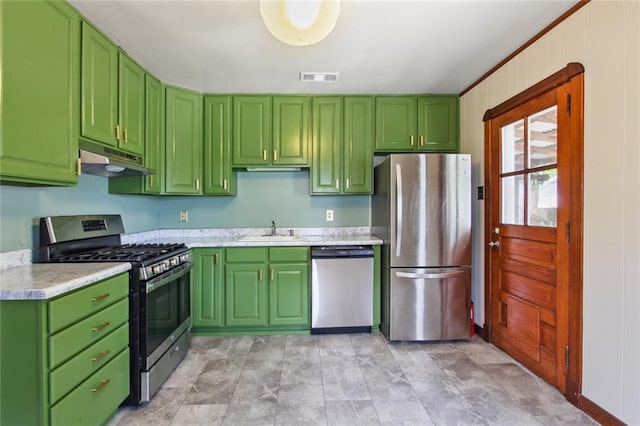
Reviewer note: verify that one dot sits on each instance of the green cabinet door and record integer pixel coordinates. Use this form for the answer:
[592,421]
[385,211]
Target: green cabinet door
[251,131]
[154,135]
[358,145]
[438,123]
[326,168]
[289,294]
[131,103]
[218,175]
[245,295]
[183,141]
[206,287]
[290,130]
[99,87]
[40,83]
[395,123]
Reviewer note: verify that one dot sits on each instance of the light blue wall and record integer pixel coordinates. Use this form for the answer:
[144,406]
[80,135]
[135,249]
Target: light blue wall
[262,197]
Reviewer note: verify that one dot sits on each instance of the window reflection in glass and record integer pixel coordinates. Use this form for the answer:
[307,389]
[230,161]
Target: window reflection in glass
[543,199]
[543,137]
[513,147]
[512,188]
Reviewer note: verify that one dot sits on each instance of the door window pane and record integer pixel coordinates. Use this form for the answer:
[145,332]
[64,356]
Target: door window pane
[543,198]
[512,188]
[513,147]
[543,137]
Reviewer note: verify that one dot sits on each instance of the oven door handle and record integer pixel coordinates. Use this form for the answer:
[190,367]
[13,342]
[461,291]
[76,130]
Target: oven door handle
[170,276]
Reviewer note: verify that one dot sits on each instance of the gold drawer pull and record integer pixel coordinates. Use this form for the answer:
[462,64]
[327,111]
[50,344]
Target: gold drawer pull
[421,140]
[117,131]
[100,356]
[100,297]
[100,327]
[125,132]
[411,140]
[101,386]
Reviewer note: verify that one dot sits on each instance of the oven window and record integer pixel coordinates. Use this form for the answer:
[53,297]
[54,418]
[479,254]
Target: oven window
[167,308]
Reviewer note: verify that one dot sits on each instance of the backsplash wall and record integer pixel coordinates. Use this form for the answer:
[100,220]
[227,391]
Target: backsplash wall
[263,196]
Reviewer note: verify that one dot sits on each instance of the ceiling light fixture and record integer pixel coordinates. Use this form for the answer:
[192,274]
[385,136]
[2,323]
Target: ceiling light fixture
[300,22]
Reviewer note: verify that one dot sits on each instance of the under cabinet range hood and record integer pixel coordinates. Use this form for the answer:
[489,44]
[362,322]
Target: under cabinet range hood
[108,162]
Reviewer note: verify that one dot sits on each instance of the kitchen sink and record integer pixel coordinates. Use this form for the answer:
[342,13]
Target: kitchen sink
[267,238]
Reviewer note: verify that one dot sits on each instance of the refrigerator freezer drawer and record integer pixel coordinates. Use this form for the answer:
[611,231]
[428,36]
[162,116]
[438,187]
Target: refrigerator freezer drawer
[429,304]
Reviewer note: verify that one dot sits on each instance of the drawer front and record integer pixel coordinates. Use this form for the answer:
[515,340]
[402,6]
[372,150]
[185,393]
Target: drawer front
[246,254]
[96,398]
[77,305]
[72,340]
[87,362]
[289,254]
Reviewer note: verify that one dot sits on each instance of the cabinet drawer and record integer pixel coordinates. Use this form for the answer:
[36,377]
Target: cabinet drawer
[288,254]
[87,362]
[96,398]
[79,304]
[246,254]
[68,342]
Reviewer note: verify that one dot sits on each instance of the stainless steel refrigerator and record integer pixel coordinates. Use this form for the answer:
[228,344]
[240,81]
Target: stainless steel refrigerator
[421,209]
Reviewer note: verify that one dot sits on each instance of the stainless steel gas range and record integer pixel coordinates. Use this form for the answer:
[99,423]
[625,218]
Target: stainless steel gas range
[159,291]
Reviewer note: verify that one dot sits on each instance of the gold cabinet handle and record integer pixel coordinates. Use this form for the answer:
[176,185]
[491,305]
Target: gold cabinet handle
[421,140]
[117,131]
[198,184]
[275,155]
[100,356]
[79,167]
[100,297]
[125,133]
[260,274]
[347,183]
[264,155]
[411,140]
[224,184]
[337,184]
[100,327]
[101,386]
[215,258]
[272,275]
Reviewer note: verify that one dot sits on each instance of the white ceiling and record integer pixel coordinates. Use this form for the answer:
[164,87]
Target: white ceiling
[392,46]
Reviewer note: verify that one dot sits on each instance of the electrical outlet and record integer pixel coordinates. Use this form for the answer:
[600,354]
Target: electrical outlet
[329,215]
[184,216]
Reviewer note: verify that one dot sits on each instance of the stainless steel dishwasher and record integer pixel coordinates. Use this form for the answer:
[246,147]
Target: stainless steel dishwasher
[341,289]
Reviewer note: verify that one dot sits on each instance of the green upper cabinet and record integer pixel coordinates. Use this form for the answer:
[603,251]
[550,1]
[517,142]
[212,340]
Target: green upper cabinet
[290,130]
[153,146]
[271,131]
[342,141]
[112,94]
[358,145]
[183,141]
[326,174]
[417,123]
[219,178]
[131,105]
[438,123]
[251,130]
[395,123]
[207,280]
[40,83]
[154,135]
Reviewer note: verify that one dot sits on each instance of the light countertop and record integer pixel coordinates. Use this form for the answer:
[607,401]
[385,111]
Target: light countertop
[46,280]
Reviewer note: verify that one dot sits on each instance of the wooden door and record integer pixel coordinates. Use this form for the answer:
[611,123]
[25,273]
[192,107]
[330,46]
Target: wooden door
[533,178]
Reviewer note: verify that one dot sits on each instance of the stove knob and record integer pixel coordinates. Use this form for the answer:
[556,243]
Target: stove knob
[157,269]
[174,261]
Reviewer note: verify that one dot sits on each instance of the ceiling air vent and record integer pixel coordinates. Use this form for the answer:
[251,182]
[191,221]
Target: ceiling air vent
[319,77]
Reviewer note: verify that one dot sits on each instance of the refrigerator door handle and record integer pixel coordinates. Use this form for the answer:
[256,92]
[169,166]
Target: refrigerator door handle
[426,275]
[398,210]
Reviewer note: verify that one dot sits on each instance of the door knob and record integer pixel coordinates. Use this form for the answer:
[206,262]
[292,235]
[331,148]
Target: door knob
[494,244]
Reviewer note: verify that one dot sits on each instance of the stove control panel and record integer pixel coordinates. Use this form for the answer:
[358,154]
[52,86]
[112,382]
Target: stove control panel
[164,265]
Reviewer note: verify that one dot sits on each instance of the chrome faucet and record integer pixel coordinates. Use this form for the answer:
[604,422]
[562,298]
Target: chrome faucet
[273,228]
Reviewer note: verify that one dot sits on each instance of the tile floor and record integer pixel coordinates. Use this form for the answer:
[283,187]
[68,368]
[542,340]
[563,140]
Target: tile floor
[350,379]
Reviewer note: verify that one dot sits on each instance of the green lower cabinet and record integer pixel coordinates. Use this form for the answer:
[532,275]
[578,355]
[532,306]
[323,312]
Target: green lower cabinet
[207,280]
[289,294]
[245,288]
